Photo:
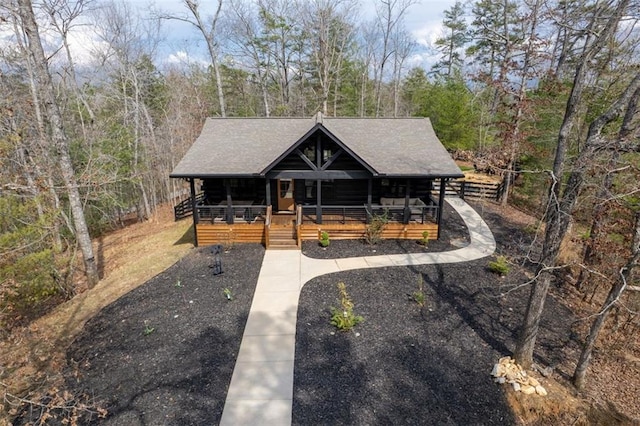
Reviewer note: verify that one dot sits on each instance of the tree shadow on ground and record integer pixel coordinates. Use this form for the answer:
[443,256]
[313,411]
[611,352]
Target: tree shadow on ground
[164,353]
[407,365]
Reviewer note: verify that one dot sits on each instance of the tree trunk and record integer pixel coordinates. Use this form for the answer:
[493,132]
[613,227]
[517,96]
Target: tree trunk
[58,137]
[209,37]
[613,296]
[626,131]
[597,222]
[559,217]
[559,208]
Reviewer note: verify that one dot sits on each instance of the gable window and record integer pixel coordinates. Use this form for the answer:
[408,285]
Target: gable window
[310,153]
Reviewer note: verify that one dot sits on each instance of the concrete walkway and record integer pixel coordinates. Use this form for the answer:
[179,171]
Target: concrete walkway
[261,389]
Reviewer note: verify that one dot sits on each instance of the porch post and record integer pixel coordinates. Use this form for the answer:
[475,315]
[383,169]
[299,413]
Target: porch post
[369,197]
[407,195]
[194,209]
[227,185]
[319,201]
[441,203]
[268,191]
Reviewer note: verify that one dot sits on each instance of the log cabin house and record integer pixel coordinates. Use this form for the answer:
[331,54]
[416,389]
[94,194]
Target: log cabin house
[279,181]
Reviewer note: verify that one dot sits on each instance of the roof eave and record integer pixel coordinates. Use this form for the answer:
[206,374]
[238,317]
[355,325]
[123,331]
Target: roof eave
[214,175]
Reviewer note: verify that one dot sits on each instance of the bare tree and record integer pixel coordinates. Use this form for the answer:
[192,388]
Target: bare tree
[628,131]
[127,50]
[403,46]
[284,39]
[562,202]
[46,89]
[210,32]
[35,151]
[245,35]
[330,26]
[62,14]
[531,55]
[390,16]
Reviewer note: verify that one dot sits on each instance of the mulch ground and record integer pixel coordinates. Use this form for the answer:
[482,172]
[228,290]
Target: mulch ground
[164,353]
[411,364]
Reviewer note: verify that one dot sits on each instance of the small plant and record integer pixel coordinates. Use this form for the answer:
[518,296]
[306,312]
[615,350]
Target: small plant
[586,234]
[532,228]
[343,318]
[148,329]
[373,232]
[178,284]
[418,296]
[227,293]
[499,266]
[228,242]
[324,239]
[425,238]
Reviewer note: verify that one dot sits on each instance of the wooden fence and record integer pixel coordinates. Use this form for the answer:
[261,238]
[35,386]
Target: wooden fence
[185,207]
[472,188]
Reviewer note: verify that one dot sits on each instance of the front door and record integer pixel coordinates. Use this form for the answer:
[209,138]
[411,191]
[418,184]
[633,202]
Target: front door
[285,195]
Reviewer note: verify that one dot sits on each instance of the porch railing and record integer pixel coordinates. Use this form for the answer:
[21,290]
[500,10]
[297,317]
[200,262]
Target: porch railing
[362,214]
[237,213]
[185,207]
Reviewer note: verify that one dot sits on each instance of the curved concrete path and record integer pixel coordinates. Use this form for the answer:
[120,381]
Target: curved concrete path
[261,389]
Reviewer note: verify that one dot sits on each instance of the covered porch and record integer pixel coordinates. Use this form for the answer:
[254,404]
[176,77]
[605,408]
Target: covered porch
[224,211]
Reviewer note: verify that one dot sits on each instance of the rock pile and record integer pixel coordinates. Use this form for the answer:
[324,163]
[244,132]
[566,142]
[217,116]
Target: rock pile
[507,371]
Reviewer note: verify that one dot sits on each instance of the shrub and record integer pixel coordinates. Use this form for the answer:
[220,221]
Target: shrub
[425,238]
[418,296]
[344,319]
[499,266]
[324,239]
[28,287]
[373,232]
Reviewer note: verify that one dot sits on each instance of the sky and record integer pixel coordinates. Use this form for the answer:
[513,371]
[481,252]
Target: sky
[423,20]
[183,44]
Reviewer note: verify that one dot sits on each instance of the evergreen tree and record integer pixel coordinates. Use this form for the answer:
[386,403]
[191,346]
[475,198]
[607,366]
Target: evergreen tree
[451,44]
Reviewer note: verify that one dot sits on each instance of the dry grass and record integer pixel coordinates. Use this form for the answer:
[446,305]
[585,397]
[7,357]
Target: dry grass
[33,357]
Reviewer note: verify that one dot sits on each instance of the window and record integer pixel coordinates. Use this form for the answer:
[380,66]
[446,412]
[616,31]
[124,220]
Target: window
[286,189]
[308,189]
[310,153]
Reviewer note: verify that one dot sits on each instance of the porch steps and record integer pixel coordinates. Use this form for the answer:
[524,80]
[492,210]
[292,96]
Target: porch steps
[282,238]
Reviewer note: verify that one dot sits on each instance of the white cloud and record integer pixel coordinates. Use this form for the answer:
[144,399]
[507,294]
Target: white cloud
[182,57]
[427,34]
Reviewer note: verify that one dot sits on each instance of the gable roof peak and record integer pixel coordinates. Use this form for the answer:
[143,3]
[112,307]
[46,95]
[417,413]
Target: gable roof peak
[319,117]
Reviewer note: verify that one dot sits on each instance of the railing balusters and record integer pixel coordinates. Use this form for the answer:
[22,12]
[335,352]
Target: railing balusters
[361,214]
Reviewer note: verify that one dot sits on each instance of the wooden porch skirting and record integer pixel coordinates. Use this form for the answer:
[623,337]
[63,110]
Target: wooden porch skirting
[391,231]
[223,233]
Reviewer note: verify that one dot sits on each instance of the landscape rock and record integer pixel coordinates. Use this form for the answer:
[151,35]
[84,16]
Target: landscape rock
[541,391]
[506,370]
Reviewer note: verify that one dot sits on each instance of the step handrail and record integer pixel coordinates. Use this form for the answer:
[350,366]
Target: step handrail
[299,225]
[267,225]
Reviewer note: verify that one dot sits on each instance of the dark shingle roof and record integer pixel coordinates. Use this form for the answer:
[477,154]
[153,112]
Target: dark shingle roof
[247,146]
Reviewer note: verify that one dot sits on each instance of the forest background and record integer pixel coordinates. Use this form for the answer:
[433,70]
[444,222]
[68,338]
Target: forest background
[540,92]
